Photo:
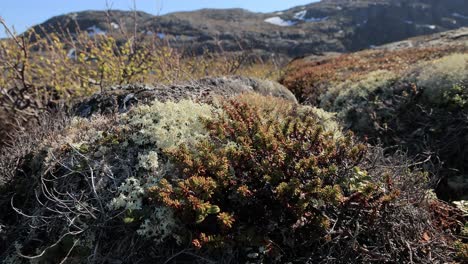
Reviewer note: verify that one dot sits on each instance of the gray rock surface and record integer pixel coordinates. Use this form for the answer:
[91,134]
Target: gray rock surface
[451,37]
[120,99]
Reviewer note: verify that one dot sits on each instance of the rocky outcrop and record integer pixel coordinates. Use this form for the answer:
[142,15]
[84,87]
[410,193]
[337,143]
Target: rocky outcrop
[328,25]
[122,98]
[451,37]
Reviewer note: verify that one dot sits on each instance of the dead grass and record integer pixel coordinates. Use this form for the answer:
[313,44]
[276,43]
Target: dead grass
[42,71]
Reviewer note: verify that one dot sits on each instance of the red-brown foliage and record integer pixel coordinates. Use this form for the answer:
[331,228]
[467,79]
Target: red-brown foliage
[310,79]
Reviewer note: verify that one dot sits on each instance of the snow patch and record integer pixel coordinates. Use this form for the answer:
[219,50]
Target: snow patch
[409,22]
[432,27]
[459,15]
[278,21]
[302,16]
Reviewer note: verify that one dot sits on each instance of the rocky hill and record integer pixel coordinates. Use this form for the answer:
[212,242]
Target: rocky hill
[329,25]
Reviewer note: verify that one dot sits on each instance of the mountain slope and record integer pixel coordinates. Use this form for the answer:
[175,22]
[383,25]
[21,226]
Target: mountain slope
[329,25]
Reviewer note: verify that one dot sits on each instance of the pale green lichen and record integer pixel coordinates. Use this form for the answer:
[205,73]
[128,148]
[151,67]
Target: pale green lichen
[148,161]
[86,130]
[328,121]
[87,240]
[161,125]
[159,226]
[463,206]
[439,76]
[151,128]
[351,98]
[351,91]
[169,124]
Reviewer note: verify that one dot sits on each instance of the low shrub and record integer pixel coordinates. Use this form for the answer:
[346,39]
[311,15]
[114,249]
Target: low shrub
[250,179]
[260,166]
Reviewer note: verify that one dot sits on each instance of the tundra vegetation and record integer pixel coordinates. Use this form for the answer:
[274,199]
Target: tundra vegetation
[44,72]
[247,178]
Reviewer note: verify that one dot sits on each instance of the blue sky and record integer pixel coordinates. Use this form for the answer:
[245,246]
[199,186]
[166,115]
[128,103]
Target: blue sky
[24,13]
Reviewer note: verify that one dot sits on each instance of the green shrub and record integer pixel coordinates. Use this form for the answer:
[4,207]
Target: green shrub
[300,165]
[276,183]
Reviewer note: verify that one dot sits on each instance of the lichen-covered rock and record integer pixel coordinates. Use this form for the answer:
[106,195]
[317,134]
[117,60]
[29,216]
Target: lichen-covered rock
[120,99]
[310,77]
[240,83]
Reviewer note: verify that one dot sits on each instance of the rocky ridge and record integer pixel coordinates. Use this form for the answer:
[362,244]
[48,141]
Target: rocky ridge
[328,25]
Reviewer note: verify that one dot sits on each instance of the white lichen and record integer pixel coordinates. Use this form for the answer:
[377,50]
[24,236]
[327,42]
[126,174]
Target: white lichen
[130,196]
[439,76]
[355,91]
[148,161]
[160,226]
[169,124]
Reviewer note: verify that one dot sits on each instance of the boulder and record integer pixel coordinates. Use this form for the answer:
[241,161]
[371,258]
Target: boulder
[119,99]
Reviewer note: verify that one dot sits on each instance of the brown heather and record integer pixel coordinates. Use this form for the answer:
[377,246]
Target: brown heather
[280,183]
[308,80]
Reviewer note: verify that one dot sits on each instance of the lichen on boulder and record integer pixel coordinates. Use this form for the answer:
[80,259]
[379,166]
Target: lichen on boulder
[120,99]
